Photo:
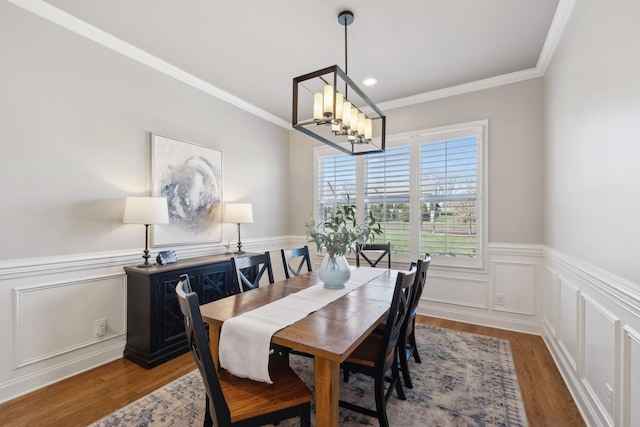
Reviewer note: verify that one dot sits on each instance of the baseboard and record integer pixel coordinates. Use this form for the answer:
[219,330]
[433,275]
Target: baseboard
[568,375]
[482,319]
[53,374]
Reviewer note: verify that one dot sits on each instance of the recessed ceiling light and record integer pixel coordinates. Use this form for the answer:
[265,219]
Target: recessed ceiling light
[369,82]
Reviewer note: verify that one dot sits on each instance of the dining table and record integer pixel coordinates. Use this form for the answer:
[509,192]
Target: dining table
[329,334]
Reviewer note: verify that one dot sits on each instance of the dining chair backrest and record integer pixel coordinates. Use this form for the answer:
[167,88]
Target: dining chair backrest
[398,311]
[292,255]
[249,270]
[422,266]
[421,280]
[373,253]
[198,344]
[407,344]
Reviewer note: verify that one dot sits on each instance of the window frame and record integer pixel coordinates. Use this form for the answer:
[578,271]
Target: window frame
[479,129]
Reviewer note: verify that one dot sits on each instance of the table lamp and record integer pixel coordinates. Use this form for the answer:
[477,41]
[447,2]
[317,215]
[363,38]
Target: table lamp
[147,211]
[238,213]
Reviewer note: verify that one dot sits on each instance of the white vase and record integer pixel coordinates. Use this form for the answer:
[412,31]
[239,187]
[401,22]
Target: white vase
[334,271]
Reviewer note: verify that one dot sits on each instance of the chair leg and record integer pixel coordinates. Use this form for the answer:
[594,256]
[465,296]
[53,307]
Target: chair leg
[395,378]
[412,342]
[305,417]
[404,367]
[208,422]
[381,402]
[345,375]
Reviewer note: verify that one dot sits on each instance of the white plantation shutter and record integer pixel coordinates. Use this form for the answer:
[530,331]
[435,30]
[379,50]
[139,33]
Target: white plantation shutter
[448,193]
[336,182]
[425,190]
[386,195]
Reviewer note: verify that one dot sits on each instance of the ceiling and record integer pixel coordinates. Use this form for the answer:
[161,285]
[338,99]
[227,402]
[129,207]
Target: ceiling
[253,49]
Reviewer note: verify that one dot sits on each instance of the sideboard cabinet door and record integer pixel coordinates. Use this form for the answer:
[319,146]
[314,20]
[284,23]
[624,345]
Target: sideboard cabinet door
[155,325]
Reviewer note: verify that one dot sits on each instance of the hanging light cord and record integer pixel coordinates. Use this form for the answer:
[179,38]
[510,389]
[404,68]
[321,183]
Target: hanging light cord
[346,63]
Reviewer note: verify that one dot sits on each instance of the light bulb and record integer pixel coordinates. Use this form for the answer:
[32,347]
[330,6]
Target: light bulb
[361,119]
[317,106]
[368,129]
[328,101]
[339,105]
[346,114]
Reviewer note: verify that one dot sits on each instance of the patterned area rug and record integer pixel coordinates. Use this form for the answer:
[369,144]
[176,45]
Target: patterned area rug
[464,380]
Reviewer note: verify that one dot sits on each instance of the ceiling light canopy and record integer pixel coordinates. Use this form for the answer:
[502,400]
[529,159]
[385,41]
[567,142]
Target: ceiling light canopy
[330,107]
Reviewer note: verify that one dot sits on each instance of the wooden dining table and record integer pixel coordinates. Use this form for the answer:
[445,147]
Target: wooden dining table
[330,334]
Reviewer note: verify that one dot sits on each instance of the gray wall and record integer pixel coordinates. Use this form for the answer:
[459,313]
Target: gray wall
[592,112]
[76,119]
[515,155]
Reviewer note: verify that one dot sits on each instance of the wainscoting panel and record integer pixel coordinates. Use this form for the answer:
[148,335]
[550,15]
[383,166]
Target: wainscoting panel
[631,378]
[456,290]
[507,294]
[48,309]
[43,327]
[600,352]
[569,317]
[596,344]
[551,301]
[513,286]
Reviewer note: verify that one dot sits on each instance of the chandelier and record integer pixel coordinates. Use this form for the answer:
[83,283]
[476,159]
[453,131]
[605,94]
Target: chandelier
[346,120]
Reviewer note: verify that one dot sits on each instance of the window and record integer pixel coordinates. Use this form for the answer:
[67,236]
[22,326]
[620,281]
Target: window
[387,194]
[336,183]
[426,191]
[448,189]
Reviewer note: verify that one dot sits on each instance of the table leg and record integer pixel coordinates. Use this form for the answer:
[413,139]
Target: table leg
[214,342]
[327,377]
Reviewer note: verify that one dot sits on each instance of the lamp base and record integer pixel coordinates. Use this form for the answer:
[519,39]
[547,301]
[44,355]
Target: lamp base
[146,256]
[239,252]
[146,265]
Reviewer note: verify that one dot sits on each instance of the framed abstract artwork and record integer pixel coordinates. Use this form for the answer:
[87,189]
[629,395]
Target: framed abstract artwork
[190,177]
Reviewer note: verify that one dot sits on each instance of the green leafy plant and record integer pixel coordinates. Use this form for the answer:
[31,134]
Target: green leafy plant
[339,234]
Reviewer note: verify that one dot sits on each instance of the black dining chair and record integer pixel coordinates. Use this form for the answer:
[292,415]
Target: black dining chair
[249,270]
[299,256]
[241,402]
[407,346]
[302,258]
[373,253]
[377,355]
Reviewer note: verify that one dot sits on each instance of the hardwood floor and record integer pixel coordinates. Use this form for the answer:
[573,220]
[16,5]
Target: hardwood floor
[89,396]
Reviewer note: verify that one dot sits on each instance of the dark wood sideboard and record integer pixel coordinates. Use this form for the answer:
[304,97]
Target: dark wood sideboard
[155,326]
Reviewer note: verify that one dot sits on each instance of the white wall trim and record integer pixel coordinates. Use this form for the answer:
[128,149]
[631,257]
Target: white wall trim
[560,19]
[489,319]
[461,89]
[52,374]
[20,292]
[84,29]
[631,337]
[606,309]
[571,380]
[616,288]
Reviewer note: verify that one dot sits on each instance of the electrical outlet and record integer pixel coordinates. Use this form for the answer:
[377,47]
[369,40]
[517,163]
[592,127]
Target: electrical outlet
[609,397]
[499,299]
[101,327]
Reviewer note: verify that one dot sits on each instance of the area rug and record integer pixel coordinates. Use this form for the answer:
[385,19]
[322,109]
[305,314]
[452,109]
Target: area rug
[464,380]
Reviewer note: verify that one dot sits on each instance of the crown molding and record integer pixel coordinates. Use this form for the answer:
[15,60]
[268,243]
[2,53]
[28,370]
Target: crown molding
[558,24]
[82,28]
[504,79]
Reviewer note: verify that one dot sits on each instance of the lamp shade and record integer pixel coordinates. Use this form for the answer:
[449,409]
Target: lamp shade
[145,210]
[238,213]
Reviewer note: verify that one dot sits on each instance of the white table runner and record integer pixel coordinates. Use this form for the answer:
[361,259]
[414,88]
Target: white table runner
[245,339]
